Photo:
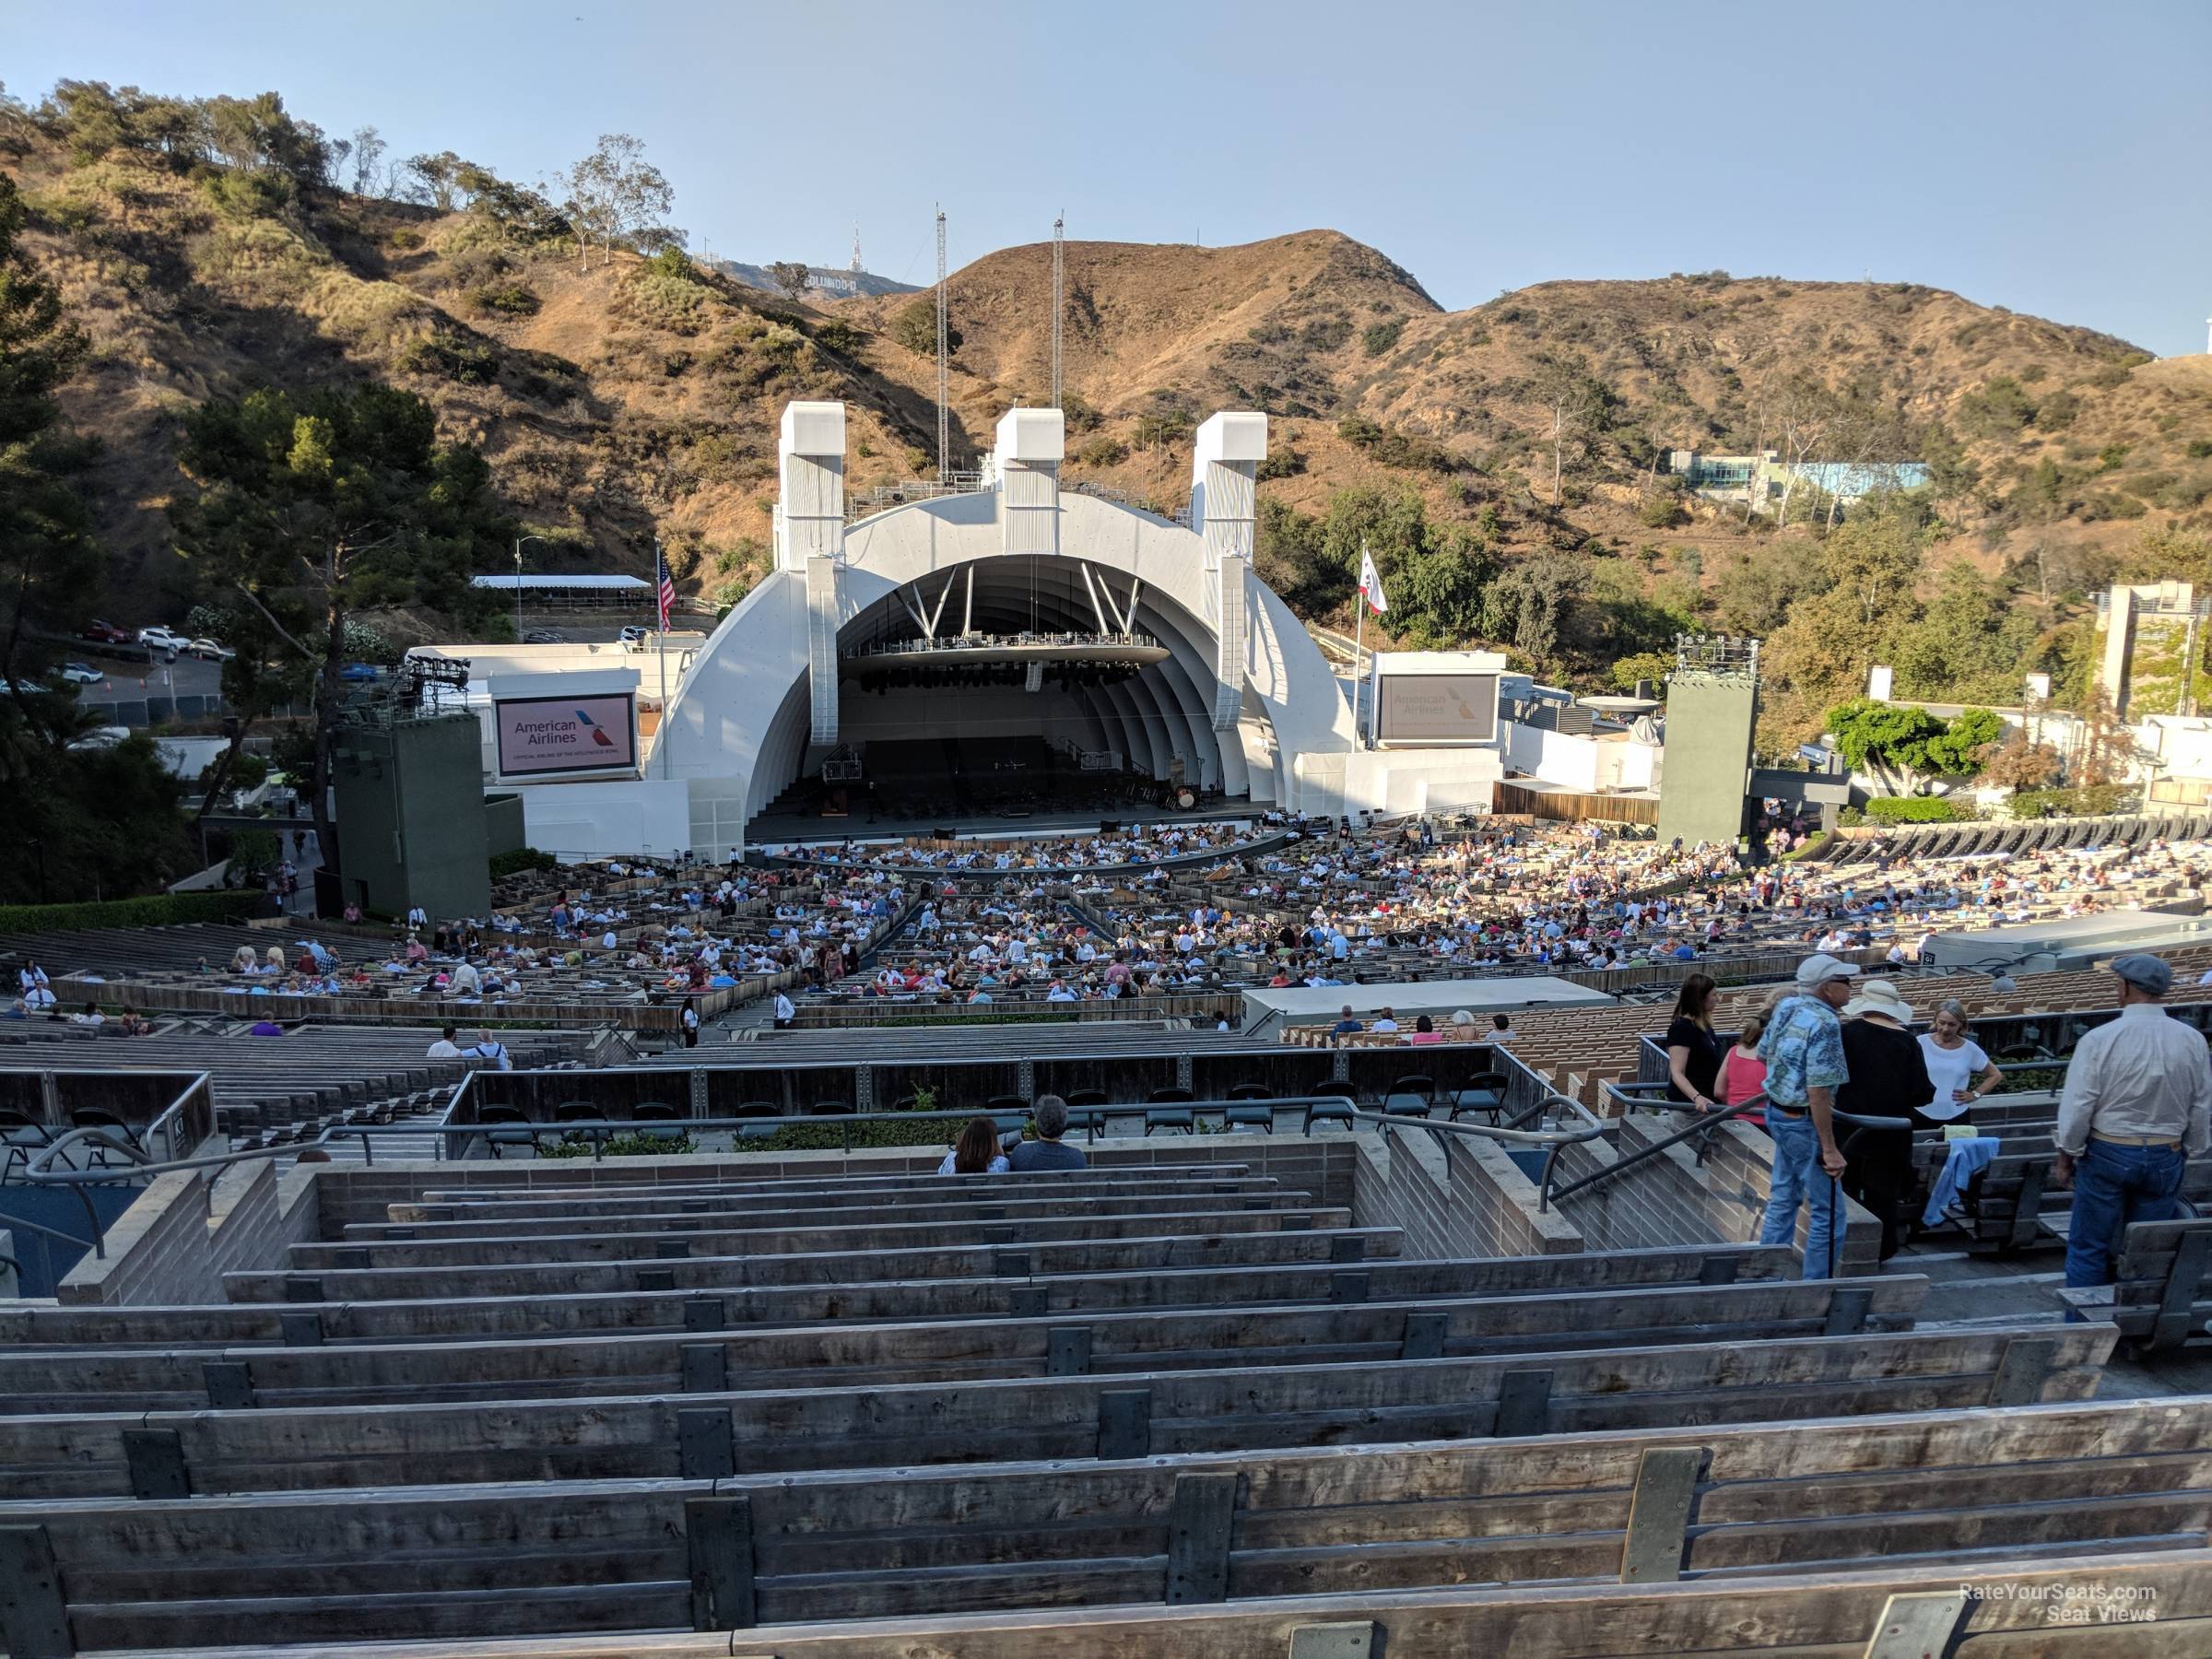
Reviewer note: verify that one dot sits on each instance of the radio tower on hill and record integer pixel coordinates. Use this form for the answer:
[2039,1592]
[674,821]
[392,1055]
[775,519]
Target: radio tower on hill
[943,388]
[1059,271]
[856,247]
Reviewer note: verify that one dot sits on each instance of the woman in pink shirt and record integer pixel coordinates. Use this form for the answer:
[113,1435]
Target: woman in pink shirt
[1743,1073]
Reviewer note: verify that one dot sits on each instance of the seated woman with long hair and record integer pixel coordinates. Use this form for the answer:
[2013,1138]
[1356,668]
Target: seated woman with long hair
[976,1152]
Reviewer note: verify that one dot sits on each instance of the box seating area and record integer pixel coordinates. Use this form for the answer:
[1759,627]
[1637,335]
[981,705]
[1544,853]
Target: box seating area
[285,1087]
[570,980]
[536,1403]
[1581,1049]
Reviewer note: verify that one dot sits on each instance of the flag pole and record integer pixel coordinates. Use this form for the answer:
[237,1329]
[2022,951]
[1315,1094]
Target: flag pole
[1358,639]
[1358,673]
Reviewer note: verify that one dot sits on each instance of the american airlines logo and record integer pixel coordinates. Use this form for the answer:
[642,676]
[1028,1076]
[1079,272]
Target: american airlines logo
[598,737]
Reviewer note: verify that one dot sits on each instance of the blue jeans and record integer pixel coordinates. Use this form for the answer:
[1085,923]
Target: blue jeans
[2114,1186]
[1797,1178]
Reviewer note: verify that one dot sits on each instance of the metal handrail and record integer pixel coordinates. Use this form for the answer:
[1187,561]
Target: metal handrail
[40,1172]
[1632,1095]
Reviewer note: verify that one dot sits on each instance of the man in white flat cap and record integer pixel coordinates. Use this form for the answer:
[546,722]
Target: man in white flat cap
[1802,1047]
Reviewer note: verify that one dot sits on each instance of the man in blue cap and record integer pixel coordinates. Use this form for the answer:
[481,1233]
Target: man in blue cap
[2138,1097]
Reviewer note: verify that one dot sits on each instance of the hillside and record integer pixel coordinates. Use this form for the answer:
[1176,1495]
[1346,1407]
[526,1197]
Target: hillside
[636,397]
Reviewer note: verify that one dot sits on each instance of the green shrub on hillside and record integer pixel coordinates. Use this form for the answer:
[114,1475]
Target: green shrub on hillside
[507,299]
[1380,337]
[2093,800]
[841,337]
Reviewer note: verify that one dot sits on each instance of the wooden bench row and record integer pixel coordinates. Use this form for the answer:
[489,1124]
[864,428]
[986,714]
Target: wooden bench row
[109,1377]
[679,1269]
[499,1319]
[711,1434]
[1971,1492]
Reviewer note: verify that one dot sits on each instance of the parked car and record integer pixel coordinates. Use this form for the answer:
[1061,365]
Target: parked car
[213,651]
[76,674]
[360,671]
[163,639]
[31,687]
[633,637]
[104,633]
[543,636]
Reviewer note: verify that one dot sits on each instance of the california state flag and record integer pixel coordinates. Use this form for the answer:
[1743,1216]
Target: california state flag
[1371,583]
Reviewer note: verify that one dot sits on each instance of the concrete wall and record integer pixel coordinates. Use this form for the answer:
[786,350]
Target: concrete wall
[1673,1199]
[184,1232]
[1460,1198]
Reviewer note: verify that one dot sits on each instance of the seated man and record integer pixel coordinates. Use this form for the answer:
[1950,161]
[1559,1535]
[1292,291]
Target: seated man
[1047,1151]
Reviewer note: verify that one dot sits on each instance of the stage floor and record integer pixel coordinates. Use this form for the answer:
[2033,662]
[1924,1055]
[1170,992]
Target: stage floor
[784,828]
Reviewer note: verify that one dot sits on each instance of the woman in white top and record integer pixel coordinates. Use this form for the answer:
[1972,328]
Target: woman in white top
[977,1151]
[1961,1072]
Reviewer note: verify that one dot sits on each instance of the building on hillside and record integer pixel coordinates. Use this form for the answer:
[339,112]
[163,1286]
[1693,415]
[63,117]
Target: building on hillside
[1765,478]
[2146,632]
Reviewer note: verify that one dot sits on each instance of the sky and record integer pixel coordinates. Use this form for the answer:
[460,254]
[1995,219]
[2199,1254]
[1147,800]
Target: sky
[2048,158]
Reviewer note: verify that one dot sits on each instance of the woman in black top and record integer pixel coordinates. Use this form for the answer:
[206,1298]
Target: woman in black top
[1889,1078]
[1693,1050]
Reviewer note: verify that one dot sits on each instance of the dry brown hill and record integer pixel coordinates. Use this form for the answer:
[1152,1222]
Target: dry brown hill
[636,397]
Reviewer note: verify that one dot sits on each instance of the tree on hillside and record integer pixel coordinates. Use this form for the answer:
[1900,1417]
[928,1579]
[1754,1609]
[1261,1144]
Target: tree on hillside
[1973,640]
[1527,604]
[369,148]
[50,562]
[614,192]
[790,277]
[305,511]
[438,178]
[1579,406]
[1804,413]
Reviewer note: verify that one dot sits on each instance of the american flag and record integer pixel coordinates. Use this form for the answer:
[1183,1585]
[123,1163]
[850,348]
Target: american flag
[663,583]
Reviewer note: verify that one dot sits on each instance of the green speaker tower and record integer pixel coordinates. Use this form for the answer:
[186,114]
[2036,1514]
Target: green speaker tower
[1711,710]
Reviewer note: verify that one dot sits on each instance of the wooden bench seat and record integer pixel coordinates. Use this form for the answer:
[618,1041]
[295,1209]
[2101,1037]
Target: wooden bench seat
[785,1234]
[1140,1413]
[1838,1497]
[2162,1297]
[1122,1252]
[111,1378]
[1015,1205]
[459,1318]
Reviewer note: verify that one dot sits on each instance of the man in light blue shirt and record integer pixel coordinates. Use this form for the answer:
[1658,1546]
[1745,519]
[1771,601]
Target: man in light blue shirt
[1803,1051]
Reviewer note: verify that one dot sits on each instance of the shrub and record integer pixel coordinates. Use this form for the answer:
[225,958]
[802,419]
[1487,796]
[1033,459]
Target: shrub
[842,337]
[2092,800]
[1380,337]
[1106,451]
[1326,334]
[162,910]
[506,298]
[1662,512]
[516,862]
[2199,448]
[447,358]
[1914,809]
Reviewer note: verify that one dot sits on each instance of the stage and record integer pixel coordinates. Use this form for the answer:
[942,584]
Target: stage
[787,829]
